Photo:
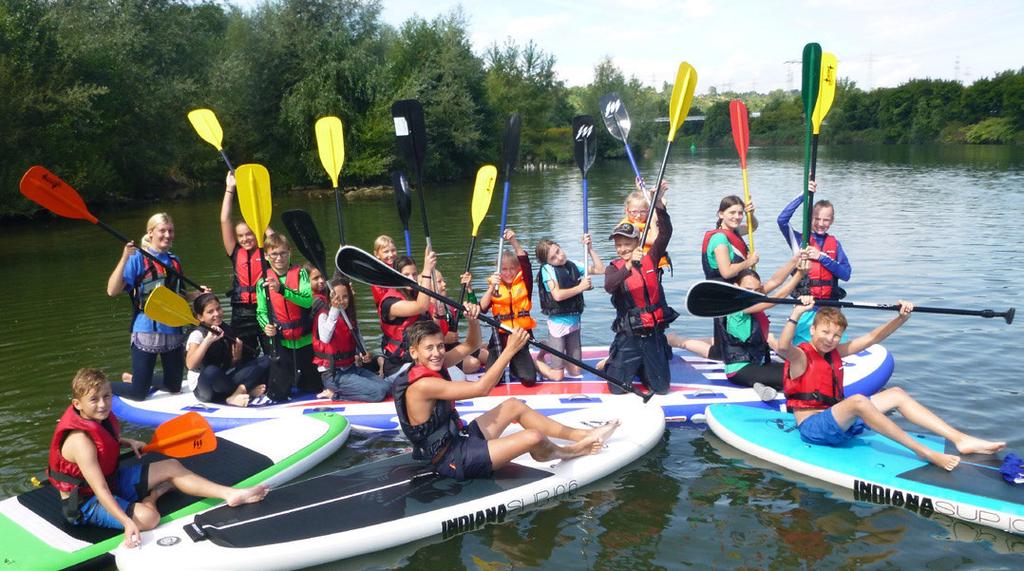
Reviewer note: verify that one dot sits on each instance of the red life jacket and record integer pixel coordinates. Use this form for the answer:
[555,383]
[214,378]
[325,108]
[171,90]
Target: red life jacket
[378,294]
[433,436]
[66,476]
[392,342]
[292,320]
[821,385]
[638,303]
[153,275]
[340,352]
[823,283]
[247,266]
[738,245]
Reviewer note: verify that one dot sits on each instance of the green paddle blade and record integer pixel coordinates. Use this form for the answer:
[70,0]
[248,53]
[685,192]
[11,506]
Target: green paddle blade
[330,143]
[616,118]
[482,192]
[254,198]
[306,238]
[810,83]
[717,299]
[205,122]
[165,306]
[826,90]
[682,97]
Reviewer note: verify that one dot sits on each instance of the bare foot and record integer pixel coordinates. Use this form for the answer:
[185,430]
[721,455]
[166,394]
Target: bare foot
[945,461]
[592,443]
[241,400]
[258,391]
[126,377]
[971,445]
[325,394]
[600,364]
[603,432]
[246,495]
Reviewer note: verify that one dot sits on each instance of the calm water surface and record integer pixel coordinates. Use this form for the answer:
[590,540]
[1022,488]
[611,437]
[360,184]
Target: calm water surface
[938,226]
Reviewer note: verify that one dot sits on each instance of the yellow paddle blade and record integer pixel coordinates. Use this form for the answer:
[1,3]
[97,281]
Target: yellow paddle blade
[330,142]
[482,191]
[254,198]
[185,435]
[207,125]
[169,308]
[682,97]
[826,90]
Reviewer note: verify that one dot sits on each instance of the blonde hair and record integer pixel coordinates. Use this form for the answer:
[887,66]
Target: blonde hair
[381,242]
[153,222]
[637,197]
[830,316]
[87,380]
[276,240]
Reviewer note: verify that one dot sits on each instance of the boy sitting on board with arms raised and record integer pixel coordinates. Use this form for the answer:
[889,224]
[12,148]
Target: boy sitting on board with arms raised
[425,397]
[813,379]
[94,490]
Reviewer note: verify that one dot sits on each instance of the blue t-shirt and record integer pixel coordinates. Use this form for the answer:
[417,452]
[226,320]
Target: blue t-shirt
[133,270]
[547,274]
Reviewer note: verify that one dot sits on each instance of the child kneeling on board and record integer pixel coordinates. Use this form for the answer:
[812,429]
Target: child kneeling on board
[425,397]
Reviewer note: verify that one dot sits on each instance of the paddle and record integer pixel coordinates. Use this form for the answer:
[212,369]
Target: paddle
[616,120]
[253,183]
[585,151]
[509,157]
[679,106]
[826,94]
[169,308]
[304,234]
[404,203]
[205,122]
[411,138]
[361,266]
[809,92]
[741,137]
[717,299]
[182,436]
[47,190]
[483,189]
[330,142]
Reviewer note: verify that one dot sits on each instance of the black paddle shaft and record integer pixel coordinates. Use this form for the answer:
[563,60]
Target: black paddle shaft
[462,295]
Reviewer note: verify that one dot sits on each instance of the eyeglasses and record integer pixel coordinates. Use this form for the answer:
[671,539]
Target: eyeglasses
[638,212]
[284,254]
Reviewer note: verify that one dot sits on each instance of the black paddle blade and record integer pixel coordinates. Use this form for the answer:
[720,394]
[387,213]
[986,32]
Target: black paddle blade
[616,119]
[361,266]
[304,234]
[403,197]
[715,299]
[584,142]
[510,147]
[410,131]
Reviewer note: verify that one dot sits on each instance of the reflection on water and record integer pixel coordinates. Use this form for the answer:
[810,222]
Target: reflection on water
[937,225]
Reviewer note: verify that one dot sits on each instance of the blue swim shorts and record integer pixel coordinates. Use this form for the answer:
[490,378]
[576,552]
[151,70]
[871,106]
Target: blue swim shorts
[467,456]
[823,429]
[132,483]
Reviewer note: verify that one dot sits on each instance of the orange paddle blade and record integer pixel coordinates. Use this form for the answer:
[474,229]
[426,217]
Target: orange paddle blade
[185,435]
[740,129]
[47,190]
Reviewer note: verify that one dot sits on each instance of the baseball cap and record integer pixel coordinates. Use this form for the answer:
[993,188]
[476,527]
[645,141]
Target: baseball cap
[626,229]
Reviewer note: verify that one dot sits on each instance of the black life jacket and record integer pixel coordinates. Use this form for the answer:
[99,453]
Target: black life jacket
[568,276]
[754,350]
[434,435]
[218,353]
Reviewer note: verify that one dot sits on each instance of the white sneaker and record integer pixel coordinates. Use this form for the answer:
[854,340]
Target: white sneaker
[765,393]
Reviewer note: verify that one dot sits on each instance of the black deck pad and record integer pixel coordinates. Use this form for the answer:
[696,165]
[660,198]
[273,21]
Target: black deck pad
[229,464]
[351,499]
[981,481]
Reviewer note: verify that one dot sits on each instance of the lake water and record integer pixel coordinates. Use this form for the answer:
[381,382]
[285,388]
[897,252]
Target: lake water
[936,225]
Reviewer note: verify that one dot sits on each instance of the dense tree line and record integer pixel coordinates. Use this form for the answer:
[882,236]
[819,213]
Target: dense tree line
[98,91]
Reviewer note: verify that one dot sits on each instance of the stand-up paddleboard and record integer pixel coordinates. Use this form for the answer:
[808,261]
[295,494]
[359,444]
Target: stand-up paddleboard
[878,470]
[696,383]
[35,535]
[380,505]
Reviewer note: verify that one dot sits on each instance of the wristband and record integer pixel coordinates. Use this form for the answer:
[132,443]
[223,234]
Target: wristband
[793,321]
[422,277]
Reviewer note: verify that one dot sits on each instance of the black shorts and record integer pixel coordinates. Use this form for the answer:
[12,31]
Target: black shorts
[467,456]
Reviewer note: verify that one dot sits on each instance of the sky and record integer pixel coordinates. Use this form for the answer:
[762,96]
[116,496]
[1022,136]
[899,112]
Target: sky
[746,45]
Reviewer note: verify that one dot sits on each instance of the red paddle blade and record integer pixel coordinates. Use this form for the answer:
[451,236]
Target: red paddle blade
[185,435]
[47,190]
[740,129]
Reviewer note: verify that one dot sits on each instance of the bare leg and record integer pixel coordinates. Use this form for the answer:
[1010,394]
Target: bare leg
[194,485]
[546,371]
[238,398]
[258,391]
[859,406]
[699,347]
[918,414]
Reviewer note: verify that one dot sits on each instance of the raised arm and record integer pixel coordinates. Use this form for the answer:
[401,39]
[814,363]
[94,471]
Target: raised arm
[227,229]
[116,283]
[797,359]
[878,334]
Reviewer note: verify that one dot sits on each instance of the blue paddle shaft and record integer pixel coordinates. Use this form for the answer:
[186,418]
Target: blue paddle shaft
[632,162]
[408,243]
